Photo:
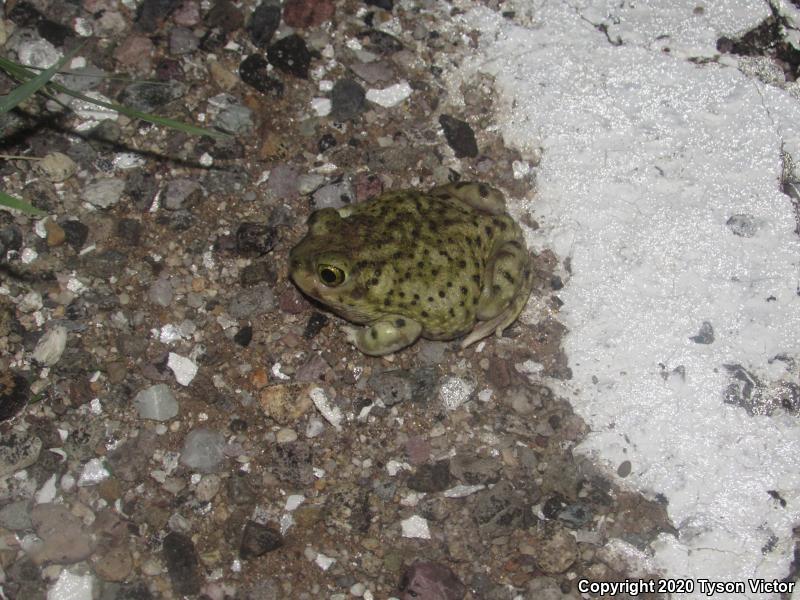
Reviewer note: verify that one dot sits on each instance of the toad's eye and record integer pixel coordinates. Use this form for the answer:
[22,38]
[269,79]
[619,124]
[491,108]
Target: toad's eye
[330,276]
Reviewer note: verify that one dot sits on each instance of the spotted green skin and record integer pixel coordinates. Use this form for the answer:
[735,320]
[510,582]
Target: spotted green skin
[437,264]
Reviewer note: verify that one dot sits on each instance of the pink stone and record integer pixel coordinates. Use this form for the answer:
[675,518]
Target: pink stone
[367,186]
[137,52]
[431,581]
[188,14]
[307,13]
[418,450]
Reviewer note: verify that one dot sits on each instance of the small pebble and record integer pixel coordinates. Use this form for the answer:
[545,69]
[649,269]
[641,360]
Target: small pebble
[743,225]
[286,435]
[254,71]
[70,586]
[76,233]
[161,292]
[389,96]
[156,402]
[235,119]
[57,166]
[332,413]
[203,450]
[182,367]
[705,335]
[183,564]
[51,346]
[182,41]
[104,192]
[428,581]
[335,195]
[307,13]
[208,488]
[460,136]
[135,51]
[181,193]
[290,55]
[375,72]
[347,98]
[188,14]
[258,539]
[455,391]
[225,15]
[264,22]
[18,452]
[55,233]
[94,471]
[415,527]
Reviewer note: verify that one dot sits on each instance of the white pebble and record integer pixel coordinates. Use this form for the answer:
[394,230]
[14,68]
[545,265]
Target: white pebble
[461,491]
[51,346]
[183,368]
[286,435]
[93,473]
[30,302]
[314,428]
[28,255]
[416,527]
[389,96]
[455,391]
[293,501]
[324,562]
[321,106]
[47,492]
[71,587]
[331,413]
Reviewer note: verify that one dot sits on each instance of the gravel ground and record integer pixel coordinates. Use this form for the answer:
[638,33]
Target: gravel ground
[177,420]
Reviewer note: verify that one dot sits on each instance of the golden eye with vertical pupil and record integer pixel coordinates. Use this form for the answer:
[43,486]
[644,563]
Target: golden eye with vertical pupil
[330,276]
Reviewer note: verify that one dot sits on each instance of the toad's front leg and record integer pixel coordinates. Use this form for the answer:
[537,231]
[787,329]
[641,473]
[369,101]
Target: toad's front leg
[386,335]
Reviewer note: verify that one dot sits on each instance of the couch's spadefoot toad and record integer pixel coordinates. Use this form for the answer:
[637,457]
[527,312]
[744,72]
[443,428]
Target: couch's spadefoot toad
[437,264]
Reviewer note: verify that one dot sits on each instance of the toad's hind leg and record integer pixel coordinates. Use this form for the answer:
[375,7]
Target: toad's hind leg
[387,335]
[505,293]
[476,195]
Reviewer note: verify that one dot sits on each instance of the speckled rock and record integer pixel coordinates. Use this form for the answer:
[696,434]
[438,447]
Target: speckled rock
[255,72]
[404,385]
[285,403]
[553,548]
[183,563]
[258,539]
[290,55]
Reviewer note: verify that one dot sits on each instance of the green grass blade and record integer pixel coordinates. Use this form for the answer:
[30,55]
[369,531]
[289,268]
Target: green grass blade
[16,71]
[23,74]
[136,114]
[34,84]
[12,202]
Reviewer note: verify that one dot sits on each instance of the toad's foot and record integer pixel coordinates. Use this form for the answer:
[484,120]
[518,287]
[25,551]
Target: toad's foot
[387,335]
